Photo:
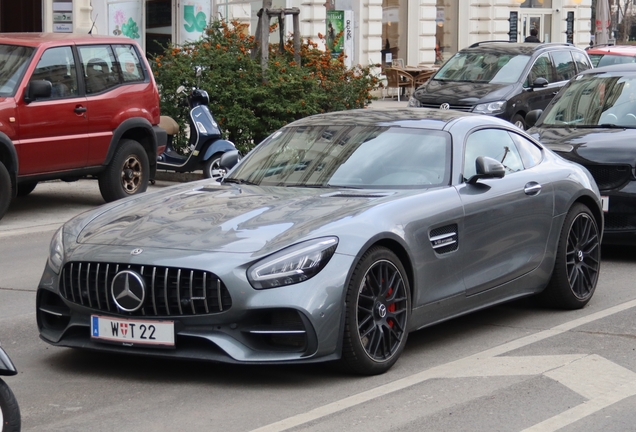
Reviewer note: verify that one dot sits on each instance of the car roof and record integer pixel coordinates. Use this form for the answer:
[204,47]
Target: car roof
[622,50]
[53,39]
[425,118]
[517,47]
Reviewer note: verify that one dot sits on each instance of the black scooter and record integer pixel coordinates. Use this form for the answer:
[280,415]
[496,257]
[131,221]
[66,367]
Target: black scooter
[9,410]
[205,144]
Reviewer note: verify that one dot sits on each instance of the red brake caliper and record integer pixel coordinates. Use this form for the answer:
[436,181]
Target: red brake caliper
[391,307]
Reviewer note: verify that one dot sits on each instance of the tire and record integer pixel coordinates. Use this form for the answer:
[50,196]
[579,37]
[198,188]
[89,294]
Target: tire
[212,167]
[519,121]
[377,310]
[5,190]
[26,188]
[127,174]
[578,261]
[9,410]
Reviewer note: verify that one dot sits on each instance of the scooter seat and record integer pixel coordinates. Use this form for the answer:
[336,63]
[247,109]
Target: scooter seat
[169,125]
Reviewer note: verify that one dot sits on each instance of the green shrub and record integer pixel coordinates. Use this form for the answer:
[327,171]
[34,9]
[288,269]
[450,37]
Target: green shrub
[247,109]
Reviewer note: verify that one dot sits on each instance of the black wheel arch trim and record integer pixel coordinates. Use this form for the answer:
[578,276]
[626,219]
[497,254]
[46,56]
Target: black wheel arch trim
[151,139]
[9,154]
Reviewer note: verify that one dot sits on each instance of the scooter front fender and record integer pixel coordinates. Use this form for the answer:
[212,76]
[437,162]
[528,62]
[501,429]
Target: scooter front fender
[218,146]
[6,366]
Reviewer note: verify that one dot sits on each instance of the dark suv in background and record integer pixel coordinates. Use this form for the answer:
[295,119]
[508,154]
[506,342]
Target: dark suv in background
[503,79]
[76,106]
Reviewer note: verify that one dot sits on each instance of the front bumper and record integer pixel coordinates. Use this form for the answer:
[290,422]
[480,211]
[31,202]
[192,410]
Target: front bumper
[261,326]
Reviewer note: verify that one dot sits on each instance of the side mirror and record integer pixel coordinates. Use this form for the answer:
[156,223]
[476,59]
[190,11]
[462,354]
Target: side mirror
[229,159]
[486,168]
[39,89]
[533,116]
[540,83]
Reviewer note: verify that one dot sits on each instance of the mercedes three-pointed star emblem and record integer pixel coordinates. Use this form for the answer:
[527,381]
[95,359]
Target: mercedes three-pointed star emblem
[128,290]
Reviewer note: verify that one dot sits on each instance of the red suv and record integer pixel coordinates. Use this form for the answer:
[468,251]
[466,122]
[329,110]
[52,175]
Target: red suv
[76,106]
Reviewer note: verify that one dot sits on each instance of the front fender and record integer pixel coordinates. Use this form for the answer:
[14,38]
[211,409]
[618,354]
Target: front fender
[218,146]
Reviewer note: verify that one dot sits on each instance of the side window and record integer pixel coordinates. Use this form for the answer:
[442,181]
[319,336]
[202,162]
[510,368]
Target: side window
[531,155]
[99,73]
[494,143]
[581,61]
[564,65]
[128,64]
[542,68]
[57,65]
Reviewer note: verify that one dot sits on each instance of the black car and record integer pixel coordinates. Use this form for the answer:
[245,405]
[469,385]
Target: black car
[592,121]
[503,79]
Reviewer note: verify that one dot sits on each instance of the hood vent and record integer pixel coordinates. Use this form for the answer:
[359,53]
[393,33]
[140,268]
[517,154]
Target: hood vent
[358,195]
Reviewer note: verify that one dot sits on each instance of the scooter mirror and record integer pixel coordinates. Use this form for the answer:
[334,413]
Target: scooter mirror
[198,70]
[180,89]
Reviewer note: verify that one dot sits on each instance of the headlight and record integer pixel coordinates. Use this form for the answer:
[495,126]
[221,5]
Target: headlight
[56,251]
[414,103]
[292,265]
[490,107]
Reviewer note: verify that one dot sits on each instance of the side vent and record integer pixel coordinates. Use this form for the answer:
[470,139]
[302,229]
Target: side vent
[444,239]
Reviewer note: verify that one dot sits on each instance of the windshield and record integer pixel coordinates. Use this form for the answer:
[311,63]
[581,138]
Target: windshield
[595,100]
[599,60]
[486,67]
[13,62]
[370,157]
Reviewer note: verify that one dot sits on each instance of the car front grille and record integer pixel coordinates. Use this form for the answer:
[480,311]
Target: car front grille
[464,108]
[622,214]
[609,177]
[169,291]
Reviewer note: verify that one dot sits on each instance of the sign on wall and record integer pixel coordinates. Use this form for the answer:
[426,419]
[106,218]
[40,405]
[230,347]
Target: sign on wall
[194,16]
[124,19]
[340,23]
[512,33]
[62,16]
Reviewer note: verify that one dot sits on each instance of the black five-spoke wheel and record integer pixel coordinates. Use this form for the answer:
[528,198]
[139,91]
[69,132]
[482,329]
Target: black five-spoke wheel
[378,307]
[578,261]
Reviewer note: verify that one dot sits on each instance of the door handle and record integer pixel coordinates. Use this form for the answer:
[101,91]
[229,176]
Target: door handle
[79,109]
[532,188]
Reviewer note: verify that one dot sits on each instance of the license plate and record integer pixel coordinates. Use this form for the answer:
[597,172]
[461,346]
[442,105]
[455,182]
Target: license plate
[605,202]
[133,332]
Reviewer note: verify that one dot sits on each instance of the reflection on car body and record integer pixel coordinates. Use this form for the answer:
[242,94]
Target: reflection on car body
[396,220]
[592,121]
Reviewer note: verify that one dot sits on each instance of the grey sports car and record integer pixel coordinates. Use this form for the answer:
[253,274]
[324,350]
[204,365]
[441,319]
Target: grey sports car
[332,240]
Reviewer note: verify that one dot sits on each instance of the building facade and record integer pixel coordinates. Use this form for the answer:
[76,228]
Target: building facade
[415,31]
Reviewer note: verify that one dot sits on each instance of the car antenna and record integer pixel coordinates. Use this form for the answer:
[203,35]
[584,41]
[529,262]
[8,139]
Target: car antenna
[93,26]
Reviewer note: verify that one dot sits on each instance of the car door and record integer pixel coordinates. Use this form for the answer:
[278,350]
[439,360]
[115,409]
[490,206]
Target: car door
[53,130]
[506,220]
[540,97]
[115,87]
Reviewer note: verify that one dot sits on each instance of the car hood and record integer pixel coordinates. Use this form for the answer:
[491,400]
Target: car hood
[453,92]
[598,146]
[248,219]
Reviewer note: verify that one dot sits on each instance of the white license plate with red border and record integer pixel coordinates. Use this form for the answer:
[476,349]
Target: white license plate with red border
[134,332]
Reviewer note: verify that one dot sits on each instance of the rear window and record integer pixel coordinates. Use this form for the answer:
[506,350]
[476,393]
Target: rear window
[599,60]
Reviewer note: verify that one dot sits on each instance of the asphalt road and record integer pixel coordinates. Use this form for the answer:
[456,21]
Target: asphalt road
[515,367]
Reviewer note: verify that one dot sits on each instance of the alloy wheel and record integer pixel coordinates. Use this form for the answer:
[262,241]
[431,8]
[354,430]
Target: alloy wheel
[131,174]
[583,256]
[382,311]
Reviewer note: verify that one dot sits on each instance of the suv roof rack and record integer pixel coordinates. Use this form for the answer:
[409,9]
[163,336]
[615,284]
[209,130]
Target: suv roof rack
[599,46]
[476,44]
